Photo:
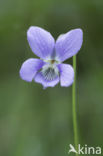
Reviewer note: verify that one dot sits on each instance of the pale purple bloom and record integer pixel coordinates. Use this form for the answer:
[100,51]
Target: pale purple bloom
[49,69]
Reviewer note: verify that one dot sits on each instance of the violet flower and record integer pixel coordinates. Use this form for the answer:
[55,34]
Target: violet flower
[49,69]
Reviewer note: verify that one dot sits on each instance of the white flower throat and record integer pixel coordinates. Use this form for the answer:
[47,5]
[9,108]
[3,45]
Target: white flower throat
[50,70]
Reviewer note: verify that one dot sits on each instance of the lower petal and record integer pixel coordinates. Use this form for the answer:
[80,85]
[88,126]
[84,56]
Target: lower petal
[39,78]
[29,68]
[66,74]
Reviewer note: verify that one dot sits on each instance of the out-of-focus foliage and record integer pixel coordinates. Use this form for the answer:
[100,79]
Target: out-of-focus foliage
[38,122]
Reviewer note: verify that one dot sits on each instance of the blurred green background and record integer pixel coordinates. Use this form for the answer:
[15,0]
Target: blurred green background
[37,122]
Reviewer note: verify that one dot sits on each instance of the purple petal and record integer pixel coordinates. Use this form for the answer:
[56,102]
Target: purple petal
[41,42]
[39,78]
[69,44]
[29,68]
[66,74]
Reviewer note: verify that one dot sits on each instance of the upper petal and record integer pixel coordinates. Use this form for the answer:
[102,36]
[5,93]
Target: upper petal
[41,42]
[66,74]
[69,44]
[29,68]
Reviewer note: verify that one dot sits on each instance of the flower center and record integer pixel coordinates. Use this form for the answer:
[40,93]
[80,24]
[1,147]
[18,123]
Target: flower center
[50,71]
[53,61]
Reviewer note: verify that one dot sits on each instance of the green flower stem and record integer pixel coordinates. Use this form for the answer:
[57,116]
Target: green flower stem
[74,106]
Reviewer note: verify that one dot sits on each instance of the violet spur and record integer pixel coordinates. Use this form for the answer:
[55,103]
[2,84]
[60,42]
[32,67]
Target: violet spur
[49,70]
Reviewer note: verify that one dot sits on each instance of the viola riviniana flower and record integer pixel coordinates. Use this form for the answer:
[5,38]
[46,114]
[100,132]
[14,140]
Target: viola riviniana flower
[50,69]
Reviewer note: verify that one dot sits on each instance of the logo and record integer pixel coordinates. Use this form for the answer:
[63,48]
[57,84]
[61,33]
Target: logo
[84,149]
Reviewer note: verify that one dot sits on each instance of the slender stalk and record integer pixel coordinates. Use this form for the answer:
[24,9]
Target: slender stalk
[74,106]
